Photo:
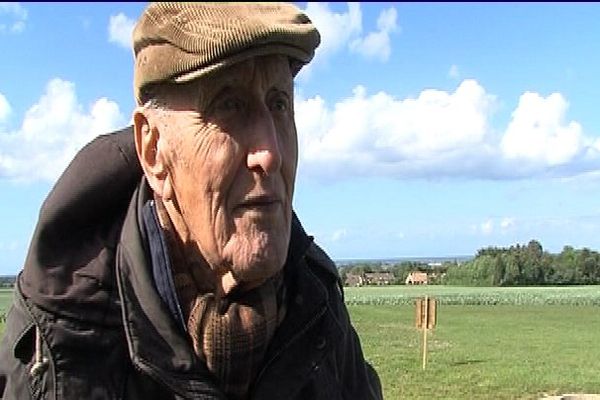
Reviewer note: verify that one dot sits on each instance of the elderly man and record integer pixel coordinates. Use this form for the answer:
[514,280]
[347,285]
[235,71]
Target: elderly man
[167,262]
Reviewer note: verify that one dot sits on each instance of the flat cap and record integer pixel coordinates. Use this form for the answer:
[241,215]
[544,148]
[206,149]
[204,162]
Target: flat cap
[178,42]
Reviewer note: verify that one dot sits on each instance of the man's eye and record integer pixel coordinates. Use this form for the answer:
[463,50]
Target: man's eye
[231,104]
[280,105]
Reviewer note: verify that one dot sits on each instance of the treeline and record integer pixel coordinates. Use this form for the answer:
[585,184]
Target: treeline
[517,265]
[522,265]
[7,281]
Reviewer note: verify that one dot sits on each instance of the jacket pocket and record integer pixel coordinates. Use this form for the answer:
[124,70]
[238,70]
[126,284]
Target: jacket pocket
[25,369]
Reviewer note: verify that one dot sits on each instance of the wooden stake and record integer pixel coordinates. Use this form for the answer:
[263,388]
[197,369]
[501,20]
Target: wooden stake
[425,325]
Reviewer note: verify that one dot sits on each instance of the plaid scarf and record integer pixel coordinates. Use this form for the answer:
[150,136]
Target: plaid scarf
[232,335]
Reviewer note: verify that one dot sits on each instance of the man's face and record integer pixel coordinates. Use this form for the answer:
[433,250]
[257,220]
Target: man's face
[231,150]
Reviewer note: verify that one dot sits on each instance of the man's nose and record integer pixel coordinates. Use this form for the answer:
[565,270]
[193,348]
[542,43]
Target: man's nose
[264,153]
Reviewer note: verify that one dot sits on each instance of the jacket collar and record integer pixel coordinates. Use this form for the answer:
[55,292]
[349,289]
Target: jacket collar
[155,340]
[304,338]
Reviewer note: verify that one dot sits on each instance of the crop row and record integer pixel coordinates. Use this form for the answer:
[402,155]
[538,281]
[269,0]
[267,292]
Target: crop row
[475,300]
[583,296]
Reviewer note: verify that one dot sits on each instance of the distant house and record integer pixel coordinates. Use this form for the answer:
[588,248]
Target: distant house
[417,278]
[379,278]
[354,280]
[369,278]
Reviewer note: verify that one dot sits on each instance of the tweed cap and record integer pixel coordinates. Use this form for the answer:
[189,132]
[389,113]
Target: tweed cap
[178,42]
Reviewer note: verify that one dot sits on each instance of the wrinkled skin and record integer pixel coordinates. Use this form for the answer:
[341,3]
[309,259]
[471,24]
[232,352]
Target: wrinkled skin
[222,157]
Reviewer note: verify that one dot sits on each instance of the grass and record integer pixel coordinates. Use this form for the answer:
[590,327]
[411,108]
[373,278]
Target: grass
[5,300]
[479,351]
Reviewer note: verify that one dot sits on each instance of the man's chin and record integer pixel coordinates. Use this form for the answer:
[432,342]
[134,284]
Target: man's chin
[254,272]
[258,271]
[257,255]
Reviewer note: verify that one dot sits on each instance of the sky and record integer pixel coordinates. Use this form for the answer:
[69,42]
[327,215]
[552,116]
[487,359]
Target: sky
[424,129]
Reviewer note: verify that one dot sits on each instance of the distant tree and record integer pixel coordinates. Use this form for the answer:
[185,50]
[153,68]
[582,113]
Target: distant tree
[7,281]
[526,265]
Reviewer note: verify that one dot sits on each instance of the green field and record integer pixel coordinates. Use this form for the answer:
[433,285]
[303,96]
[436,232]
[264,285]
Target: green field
[5,300]
[521,349]
[531,342]
[453,295]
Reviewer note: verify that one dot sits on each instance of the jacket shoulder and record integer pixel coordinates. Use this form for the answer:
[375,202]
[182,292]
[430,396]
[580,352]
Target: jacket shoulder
[319,258]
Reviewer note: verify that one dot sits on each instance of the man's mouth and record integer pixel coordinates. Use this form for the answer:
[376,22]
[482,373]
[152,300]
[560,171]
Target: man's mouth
[259,202]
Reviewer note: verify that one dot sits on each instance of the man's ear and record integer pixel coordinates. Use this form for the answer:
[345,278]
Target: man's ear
[150,153]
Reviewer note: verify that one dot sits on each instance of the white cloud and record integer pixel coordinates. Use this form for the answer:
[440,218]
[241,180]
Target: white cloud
[454,73]
[440,134]
[507,223]
[487,227]
[120,28]
[538,134]
[338,235]
[382,135]
[344,31]
[5,108]
[12,17]
[336,29]
[377,44]
[52,131]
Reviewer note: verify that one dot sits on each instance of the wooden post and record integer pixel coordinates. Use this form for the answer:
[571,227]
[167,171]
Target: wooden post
[425,326]
[425,319]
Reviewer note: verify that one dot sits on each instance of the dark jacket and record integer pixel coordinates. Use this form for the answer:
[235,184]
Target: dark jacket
[87,321]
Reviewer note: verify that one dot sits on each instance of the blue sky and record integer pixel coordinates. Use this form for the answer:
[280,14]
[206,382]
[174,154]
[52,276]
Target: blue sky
[424,129]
